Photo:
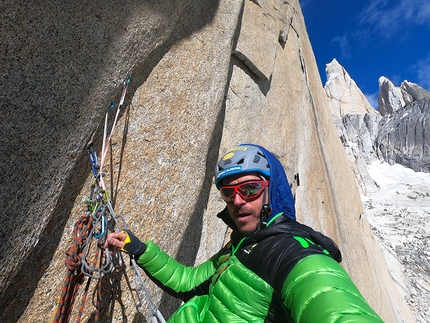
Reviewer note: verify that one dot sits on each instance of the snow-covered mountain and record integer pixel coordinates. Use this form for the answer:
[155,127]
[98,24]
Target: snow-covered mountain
[390,155]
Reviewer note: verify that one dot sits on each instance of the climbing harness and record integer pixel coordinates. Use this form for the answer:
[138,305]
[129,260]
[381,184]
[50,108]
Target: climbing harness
[87,258]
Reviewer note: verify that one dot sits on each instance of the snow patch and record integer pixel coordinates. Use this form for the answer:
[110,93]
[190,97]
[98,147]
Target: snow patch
[399,214]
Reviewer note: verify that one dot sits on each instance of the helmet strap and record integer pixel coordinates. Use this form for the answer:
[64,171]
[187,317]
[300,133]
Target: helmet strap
[265,209]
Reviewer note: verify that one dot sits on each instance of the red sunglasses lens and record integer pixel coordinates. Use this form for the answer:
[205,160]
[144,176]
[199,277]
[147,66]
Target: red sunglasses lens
[247,190]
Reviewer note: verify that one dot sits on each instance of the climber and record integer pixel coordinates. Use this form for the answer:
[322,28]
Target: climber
[274,269]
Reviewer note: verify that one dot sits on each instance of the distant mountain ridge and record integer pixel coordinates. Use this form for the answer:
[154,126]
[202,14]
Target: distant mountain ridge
[396,132]
[403,137]
[383,146]
[392,98]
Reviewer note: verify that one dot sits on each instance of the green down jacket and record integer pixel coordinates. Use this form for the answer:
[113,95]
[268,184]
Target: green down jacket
[278,274]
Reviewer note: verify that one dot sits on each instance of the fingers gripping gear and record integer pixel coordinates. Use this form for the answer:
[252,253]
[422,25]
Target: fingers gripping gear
[132,244]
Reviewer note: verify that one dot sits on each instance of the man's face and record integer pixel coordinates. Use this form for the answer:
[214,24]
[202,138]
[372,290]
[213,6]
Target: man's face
[245,214]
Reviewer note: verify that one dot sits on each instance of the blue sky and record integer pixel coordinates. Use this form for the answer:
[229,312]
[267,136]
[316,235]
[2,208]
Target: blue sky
[372,38]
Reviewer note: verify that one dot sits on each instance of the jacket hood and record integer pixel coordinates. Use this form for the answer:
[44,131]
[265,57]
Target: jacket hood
[280,196]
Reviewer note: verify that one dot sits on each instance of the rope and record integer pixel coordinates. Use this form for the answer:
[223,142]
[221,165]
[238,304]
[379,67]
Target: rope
[74,277]
[106,141]
[88,226]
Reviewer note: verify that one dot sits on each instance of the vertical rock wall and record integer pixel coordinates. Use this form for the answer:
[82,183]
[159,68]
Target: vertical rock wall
[206,75]
[62,66]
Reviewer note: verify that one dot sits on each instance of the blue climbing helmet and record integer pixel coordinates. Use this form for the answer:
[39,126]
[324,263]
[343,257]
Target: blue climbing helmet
[239,160]
[249,158]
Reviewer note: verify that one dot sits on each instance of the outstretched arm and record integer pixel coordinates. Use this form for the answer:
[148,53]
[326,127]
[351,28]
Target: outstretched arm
[176,279]
[319,290]
[172,274]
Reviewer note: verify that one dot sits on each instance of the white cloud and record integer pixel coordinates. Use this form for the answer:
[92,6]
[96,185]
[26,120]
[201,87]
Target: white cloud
[424,13]
[423,73]
[373,99]
[345,48]
[389,17]
[304,3]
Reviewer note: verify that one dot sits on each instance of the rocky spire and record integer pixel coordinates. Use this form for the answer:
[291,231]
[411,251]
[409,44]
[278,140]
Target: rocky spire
[343,93]
[355,119]
[390,97]
[402,133]
[414,90]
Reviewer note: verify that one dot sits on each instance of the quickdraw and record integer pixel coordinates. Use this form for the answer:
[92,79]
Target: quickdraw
[90,234]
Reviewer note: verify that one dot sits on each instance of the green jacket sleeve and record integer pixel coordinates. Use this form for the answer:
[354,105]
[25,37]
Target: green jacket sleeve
[172,274]
[319,290]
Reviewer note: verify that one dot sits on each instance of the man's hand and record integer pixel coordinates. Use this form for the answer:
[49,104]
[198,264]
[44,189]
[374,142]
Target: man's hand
[115,240]
[126,241]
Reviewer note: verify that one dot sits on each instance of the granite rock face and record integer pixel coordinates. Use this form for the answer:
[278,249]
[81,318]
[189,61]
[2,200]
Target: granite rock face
[64,65]
[205,75]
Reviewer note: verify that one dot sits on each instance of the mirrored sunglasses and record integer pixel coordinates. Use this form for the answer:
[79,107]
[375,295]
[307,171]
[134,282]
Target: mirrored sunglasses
[248,190]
